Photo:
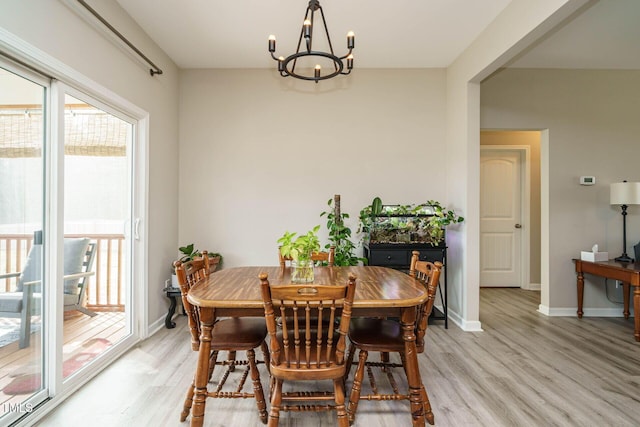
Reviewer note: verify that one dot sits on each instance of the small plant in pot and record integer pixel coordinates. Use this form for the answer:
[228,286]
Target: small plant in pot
[299,250]
[189,252]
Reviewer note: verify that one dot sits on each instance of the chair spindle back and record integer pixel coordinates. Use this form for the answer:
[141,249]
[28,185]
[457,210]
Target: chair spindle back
[429,274]
[308,340]
[189,273]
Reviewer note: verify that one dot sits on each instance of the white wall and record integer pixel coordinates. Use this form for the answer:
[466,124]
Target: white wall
[593,128]
[56,30]
[519,25]
[261,154]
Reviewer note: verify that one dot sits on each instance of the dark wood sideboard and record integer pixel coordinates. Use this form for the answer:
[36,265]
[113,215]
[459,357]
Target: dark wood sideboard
[398,256]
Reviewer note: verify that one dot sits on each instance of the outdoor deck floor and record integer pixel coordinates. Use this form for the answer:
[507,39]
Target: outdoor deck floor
[84,338]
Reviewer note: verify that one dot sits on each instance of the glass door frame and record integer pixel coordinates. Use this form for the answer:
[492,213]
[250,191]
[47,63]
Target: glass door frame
[56,224]
[42,395]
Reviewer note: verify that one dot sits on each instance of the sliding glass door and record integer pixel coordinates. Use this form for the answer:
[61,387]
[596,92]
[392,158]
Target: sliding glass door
[22,290]
[97,236]
[68,238]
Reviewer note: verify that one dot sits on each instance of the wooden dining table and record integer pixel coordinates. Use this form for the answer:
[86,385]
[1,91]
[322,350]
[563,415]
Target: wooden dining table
[380,291]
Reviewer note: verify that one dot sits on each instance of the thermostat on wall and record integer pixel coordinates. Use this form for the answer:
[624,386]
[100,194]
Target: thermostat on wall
[587,180]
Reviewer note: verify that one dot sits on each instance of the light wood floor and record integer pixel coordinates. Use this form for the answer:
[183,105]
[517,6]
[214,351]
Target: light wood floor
[525,369]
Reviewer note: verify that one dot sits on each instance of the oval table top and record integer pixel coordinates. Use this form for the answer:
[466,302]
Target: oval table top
[239,287]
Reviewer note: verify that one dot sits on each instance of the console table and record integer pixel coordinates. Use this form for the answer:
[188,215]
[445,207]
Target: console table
[628,274]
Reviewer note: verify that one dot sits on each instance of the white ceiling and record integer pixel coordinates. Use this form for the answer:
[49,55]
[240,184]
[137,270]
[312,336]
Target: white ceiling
[604,36]
[389,34]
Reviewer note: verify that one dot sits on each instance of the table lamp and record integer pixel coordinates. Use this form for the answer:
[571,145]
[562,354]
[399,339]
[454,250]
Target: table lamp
[625,194]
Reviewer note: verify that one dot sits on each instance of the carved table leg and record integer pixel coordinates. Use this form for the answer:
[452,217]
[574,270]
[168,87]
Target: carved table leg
[580,293]
[168,323]
[636,311]
[626,291]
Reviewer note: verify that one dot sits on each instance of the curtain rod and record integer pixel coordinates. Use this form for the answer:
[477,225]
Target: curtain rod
[154,70]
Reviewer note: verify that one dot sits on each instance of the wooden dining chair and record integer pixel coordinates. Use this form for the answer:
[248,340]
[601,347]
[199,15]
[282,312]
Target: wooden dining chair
[310,351]
[385,336]
[319,258]
[229,334]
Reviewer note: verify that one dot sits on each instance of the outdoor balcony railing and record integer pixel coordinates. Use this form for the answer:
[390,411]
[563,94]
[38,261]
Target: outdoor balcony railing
[105,291]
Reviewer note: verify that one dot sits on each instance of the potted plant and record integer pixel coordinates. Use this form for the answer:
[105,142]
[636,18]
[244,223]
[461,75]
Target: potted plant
[189,252]
[299,250]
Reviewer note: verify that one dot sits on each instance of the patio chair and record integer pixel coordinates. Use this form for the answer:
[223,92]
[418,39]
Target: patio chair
[25,300]
[74,293]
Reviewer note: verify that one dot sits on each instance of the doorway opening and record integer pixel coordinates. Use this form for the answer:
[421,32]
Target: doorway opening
[510,209]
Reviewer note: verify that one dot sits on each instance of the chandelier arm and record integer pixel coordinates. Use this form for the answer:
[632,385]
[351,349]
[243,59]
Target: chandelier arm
[326,30]
[342,57]
[311,10]
[306,14]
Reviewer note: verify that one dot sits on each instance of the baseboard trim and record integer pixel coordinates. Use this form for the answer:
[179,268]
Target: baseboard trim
[473,326]
[588,312]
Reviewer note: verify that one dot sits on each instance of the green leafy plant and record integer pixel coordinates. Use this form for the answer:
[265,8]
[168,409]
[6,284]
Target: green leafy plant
[340,237]
[189,252]
[300,248]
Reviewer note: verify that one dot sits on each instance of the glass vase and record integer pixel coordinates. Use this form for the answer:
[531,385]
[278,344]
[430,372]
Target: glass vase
[302,271]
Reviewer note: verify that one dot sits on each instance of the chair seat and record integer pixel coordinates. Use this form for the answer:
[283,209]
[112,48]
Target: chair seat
[12,302]
[376,335]
[238,334]
[70,299]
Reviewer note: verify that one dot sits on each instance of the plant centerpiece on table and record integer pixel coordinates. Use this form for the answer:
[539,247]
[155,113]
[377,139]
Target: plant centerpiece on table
[422,223]
[299,250]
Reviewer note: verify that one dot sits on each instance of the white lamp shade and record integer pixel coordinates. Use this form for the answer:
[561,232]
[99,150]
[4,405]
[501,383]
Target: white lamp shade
[625,193]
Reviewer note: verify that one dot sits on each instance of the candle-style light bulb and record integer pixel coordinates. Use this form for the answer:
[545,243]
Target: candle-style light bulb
[281,63]
[350,61]
[272,43]
[307,28]
[317,72]
[350,40]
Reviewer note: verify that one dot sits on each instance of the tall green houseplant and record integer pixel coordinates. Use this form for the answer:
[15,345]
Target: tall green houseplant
[340,235]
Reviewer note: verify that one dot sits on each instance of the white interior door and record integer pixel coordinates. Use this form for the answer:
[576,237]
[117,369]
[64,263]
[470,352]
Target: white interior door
[500,218]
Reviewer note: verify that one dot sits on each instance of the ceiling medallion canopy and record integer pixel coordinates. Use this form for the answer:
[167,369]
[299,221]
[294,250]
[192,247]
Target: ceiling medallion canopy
[287,66]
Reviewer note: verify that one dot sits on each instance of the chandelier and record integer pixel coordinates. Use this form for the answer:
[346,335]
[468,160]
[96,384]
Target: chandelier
[287,66]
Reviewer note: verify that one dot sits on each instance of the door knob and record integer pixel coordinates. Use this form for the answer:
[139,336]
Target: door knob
[518,225]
